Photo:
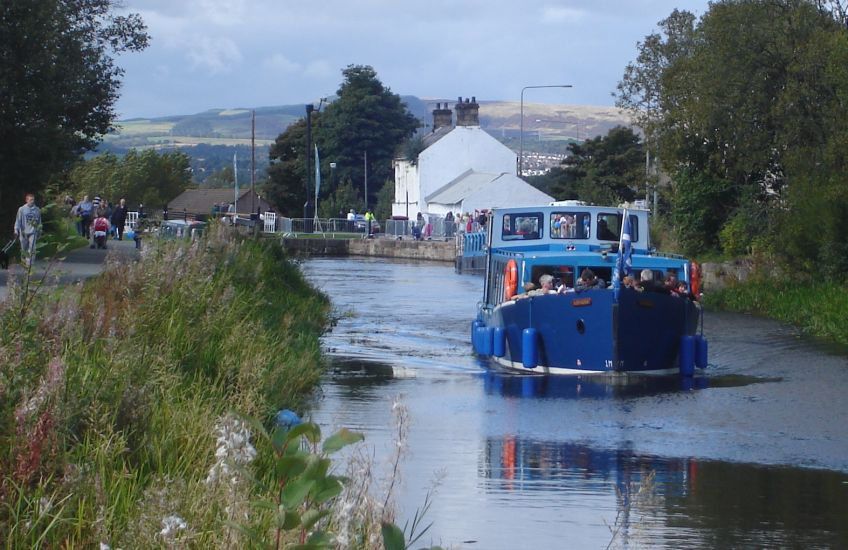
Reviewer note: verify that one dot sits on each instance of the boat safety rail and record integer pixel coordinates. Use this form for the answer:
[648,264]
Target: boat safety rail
[473,244]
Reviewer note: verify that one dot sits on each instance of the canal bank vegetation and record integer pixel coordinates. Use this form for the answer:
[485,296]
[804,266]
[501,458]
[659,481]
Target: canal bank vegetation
[125,402]
[818,309]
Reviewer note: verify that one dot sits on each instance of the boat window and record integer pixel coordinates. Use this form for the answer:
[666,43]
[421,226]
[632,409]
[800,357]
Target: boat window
[522,226]
[600,272]
[609,227]
[570,225]
[562,274]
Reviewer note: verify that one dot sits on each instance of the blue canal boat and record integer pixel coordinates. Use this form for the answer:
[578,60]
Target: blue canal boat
[572,329]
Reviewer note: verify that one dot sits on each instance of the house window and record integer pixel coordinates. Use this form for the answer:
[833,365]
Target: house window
[570,225]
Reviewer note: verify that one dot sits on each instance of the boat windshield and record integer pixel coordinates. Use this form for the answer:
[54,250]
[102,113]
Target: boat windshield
[570,225]
[609,227]
[522,226]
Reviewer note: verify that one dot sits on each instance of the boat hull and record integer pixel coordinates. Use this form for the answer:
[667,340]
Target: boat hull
[592,333]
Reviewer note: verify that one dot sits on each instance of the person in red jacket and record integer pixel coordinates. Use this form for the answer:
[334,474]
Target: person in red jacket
[101,230]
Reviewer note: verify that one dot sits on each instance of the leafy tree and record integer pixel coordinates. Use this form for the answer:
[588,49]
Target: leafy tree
[58,85]
[340,201]
[225,177]
[603,170]
[145,177]
[640,90]
[365,117]
[286,188]
[747,115]
[385,198]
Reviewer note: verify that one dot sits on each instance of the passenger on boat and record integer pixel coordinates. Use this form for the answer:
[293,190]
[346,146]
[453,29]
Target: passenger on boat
[529,289]
[629,282]
[682,291]
[546,281]
[648,284]
[546,286]
[671,281]
[588,281]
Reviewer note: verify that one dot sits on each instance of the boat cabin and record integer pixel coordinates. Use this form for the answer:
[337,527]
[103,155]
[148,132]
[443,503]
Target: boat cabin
[564,238]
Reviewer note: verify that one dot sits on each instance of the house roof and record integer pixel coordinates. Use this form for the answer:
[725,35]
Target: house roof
[433,137]
[461,186]
[202,200]
[489,190]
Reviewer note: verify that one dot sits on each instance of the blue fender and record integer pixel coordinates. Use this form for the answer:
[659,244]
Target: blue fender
[530,348]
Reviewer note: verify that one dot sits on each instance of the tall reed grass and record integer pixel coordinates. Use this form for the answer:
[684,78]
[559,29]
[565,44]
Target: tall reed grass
[818,309]
[111,391]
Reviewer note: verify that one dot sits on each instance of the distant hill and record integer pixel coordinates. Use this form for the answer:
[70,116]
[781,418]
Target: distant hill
[212,137]
[542,122]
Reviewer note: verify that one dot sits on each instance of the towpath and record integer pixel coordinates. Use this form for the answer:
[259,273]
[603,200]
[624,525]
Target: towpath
[74,266]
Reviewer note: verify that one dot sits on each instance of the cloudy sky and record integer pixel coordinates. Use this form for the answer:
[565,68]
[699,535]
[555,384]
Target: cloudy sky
[207,54]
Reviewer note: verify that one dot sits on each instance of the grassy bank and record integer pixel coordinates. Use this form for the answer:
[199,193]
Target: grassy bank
[818,309]
[112,393]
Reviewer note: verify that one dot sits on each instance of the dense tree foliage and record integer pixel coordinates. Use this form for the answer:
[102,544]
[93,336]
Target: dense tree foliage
[287,180]
[58,85]
[604,170]
[747,108]
[145,177]
[366,117]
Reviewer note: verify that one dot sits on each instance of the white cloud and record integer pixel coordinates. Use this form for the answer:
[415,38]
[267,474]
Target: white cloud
[222,12]
[280,63]
[562,14]
[320,69]
[215,55]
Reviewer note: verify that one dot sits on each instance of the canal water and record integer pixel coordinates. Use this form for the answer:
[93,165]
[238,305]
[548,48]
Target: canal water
[752,453]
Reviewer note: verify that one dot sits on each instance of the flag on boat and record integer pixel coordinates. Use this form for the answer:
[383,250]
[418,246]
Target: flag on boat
[624,262]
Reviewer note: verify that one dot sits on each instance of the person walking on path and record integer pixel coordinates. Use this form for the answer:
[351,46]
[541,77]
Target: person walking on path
[86,210]
[119,218]
[27,228]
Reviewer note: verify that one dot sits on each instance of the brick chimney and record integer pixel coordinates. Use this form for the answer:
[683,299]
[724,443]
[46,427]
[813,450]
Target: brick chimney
[442,116]
[467,112]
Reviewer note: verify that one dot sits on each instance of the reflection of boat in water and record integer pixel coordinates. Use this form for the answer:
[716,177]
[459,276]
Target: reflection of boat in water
[677,502]
[522,463]
[593,386]
[593,330]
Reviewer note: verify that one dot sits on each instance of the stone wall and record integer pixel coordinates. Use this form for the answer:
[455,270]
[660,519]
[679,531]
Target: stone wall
[438,251]
[717,275]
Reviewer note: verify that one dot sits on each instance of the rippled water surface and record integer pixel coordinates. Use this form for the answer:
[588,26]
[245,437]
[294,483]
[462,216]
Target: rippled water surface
[752,453]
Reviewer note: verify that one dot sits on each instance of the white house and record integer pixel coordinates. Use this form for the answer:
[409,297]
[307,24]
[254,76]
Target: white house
[461,169]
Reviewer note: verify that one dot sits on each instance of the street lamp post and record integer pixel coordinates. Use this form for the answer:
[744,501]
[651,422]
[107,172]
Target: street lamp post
[521,136]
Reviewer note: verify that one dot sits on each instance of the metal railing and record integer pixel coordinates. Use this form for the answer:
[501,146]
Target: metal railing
[435,228]
[472,244]
[326,226]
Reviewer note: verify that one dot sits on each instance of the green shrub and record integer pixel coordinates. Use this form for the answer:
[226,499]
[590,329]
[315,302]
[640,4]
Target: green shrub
[109,392]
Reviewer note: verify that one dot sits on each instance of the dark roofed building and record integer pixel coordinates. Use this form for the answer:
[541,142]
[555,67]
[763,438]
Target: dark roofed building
[202,201]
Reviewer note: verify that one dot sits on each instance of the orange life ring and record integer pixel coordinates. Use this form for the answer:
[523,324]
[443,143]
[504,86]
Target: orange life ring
[510,279]
[695,283]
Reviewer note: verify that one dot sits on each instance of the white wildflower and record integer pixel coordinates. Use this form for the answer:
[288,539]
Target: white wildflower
[233,449]
[170,526]
[104,546]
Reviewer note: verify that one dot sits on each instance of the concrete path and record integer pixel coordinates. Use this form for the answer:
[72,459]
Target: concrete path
[77,265]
